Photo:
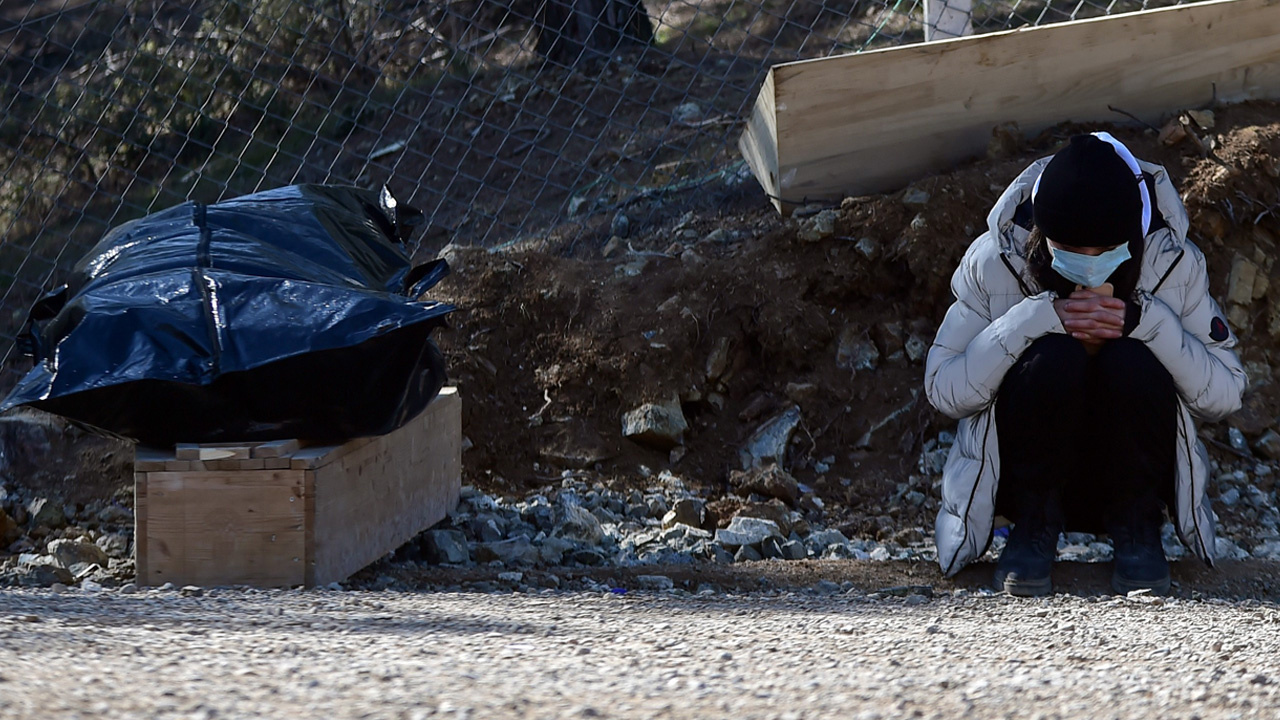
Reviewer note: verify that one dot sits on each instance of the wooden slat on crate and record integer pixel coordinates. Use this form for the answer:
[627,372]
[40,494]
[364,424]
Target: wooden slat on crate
[140,525]
[275,449]
[215,528]
[309,569]
[386,491]
[313,457]
[873,121]
[212,451]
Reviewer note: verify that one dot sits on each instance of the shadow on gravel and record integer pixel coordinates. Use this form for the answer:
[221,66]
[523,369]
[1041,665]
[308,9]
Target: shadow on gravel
[362,611]
[1229,580]
[232,610]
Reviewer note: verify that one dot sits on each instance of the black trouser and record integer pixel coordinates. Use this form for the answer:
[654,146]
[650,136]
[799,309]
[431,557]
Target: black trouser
[1098,431]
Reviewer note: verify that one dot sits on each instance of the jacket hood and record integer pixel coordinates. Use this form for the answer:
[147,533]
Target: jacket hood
[1013,237]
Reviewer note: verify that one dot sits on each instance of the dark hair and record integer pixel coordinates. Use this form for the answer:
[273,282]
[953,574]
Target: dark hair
[1039,265]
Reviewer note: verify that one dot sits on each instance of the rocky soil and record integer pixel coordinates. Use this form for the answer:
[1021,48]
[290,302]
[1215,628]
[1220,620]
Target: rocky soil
[719,345]
[726,389]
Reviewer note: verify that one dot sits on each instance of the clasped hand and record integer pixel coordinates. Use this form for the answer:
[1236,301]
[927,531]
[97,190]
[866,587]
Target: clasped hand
[1090,317]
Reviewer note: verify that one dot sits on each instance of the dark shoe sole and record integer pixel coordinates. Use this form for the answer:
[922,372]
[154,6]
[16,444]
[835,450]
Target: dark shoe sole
[1124,585]
[1024,587]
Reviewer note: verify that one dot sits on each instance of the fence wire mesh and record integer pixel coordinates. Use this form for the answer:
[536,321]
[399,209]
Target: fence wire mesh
[505,120]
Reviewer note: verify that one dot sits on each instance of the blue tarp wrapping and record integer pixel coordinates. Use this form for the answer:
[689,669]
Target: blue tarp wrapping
[293,312]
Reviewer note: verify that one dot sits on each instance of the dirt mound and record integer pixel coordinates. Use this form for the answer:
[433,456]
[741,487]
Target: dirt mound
[743,317]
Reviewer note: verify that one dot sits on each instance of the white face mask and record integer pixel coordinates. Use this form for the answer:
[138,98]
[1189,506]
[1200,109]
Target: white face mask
[1088,270]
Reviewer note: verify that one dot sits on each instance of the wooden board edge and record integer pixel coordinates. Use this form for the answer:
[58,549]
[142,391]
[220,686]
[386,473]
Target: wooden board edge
[786,69]
[275,448]
[309,531]
[337,557]
[140,529]
[309,458]
[240,477]
[759,142]
[314,457]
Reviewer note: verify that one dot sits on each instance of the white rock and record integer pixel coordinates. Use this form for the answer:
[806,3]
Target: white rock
[820,540]
[747,531]
[1269,550]
[1227,550]
[72,552]
[769,443]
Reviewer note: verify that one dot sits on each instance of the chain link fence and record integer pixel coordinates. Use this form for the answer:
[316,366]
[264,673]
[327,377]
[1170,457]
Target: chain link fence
[506,121]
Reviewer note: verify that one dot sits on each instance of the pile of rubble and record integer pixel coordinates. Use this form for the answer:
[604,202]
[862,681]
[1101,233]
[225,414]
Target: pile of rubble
[587,524]
[769,516]
[582,522]
[52,544]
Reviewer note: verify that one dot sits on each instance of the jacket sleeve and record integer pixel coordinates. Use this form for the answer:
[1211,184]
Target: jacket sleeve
[972,351]
[1207,372]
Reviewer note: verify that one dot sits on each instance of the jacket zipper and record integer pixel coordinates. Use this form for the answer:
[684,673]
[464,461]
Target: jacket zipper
[1026,292]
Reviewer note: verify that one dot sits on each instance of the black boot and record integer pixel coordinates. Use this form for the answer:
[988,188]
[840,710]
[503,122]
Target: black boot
[1139,555]
[1027,559]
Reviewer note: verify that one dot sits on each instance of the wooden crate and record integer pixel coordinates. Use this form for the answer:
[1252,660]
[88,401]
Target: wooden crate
[281,514]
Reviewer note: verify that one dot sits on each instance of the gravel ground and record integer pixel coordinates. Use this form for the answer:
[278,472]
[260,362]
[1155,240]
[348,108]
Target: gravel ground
[331,654]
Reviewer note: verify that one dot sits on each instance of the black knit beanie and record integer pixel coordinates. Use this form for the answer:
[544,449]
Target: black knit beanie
[1088,197]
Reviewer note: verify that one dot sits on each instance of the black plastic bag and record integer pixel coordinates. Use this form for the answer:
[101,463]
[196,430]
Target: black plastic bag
[282,314]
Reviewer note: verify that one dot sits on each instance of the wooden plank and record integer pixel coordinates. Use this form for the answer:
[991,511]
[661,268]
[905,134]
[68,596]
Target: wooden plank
[874,121]
[314,457]
[309,543]
[759,142]
[212,451]
[140,526]
[309,458]
[380,495]
[225,528]
[275,449]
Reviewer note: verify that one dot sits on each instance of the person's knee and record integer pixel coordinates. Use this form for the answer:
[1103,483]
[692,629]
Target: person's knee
[1051,369]
[1128,368]
[1057,357]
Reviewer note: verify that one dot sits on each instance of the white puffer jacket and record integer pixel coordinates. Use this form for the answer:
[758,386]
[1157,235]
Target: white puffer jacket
[999,312]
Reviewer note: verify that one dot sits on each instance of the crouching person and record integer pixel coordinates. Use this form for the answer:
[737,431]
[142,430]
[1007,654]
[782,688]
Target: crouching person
[1081,345]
